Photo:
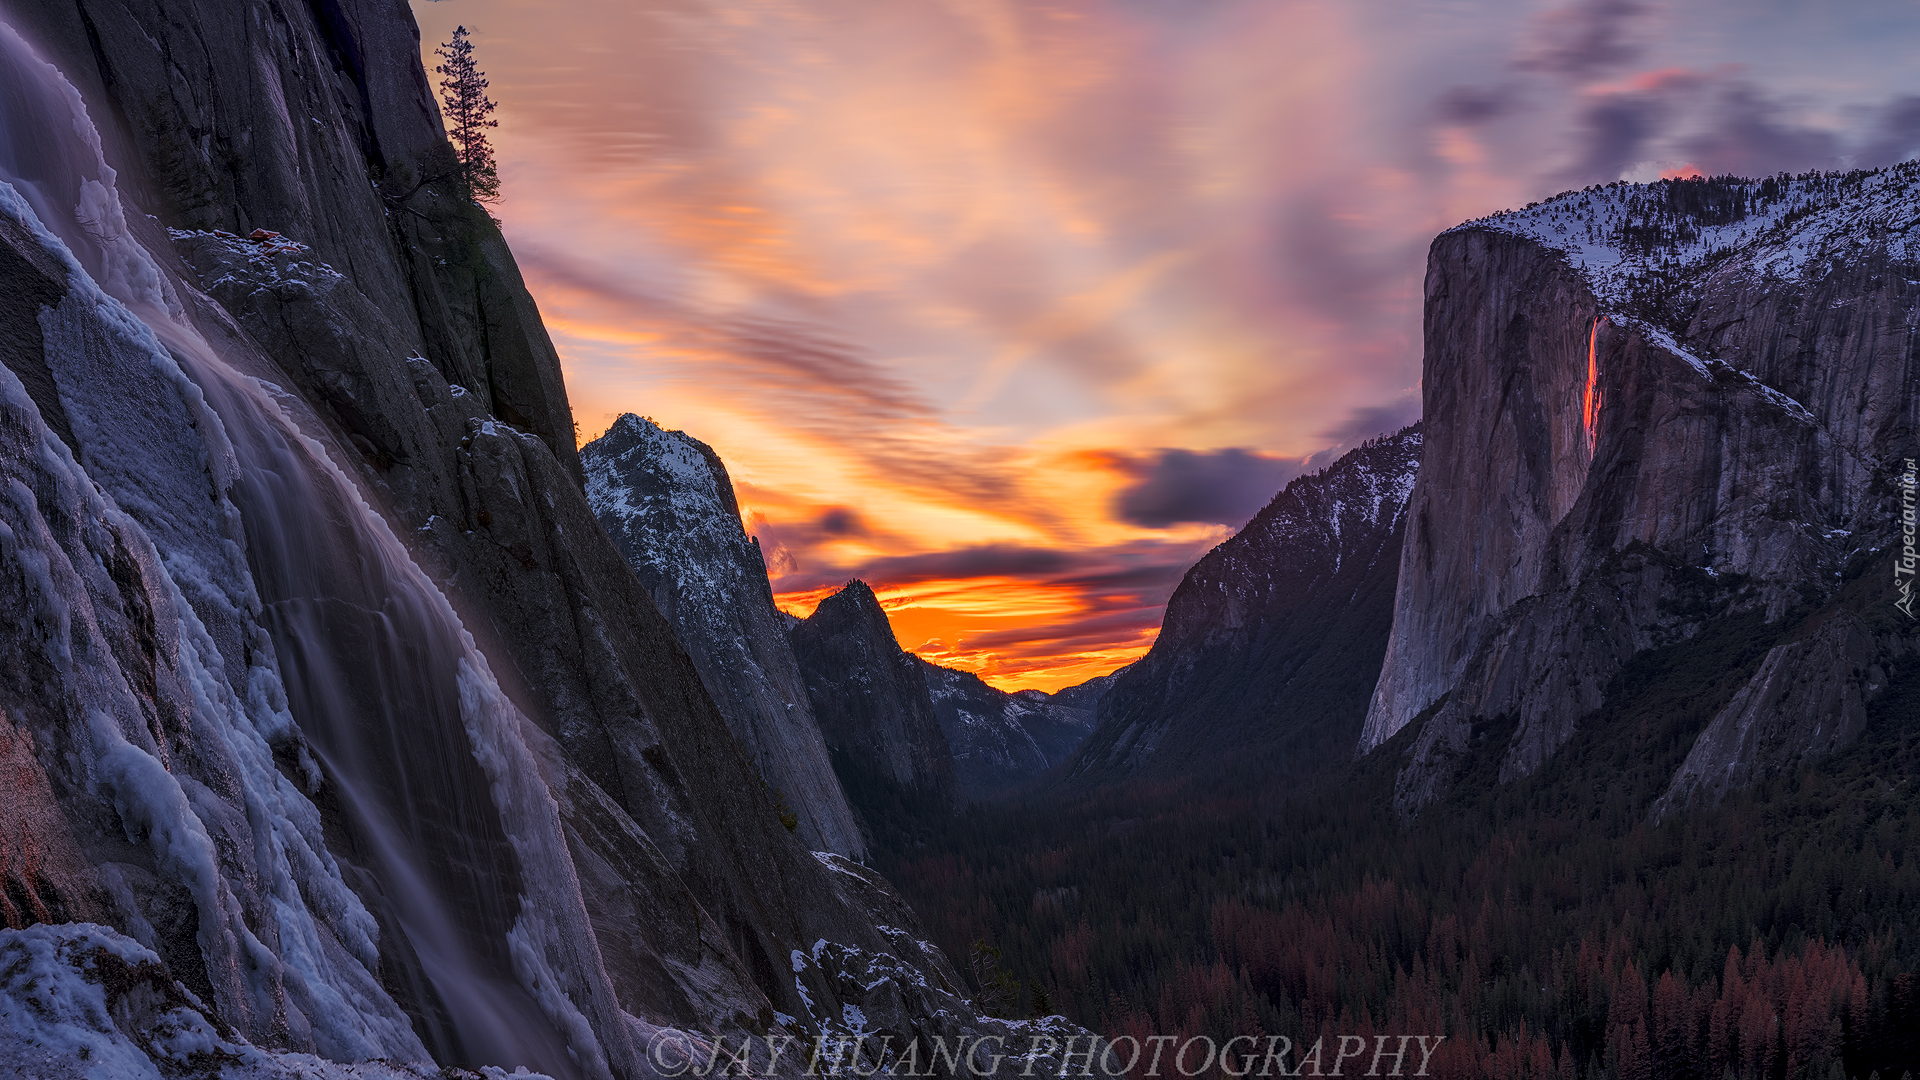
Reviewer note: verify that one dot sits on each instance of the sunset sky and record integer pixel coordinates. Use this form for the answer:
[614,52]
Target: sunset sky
[1014,308]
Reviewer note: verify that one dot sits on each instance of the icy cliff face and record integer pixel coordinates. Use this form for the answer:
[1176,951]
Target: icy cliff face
[230,115]
[1265,656]
[1649,407]
[668,503]
[79,1000]
[321,683]
[143,689]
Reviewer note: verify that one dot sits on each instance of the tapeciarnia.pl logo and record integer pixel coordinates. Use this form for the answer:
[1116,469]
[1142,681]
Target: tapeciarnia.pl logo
[1904,564]
[677,1054]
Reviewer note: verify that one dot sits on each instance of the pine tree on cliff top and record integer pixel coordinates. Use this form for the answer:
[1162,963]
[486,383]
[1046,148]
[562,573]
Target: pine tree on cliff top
[468,109]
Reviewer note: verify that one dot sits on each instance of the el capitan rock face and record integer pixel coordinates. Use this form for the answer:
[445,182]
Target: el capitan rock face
[871,696]
[668,503]
[1649,409]
[1270,643]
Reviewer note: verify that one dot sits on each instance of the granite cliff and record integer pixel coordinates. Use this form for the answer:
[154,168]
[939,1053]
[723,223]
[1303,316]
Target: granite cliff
[1650,409]
[871,699]
[668,503]
[665,498]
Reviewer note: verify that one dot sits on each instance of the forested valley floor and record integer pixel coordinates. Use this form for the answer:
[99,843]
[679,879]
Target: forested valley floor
[1546,926]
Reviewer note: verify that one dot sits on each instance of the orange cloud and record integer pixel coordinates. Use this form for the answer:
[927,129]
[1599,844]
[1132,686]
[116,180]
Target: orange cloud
[1017,634]
[937,278]
[942,270]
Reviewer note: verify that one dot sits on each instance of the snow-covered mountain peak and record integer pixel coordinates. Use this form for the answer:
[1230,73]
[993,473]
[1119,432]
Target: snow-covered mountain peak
[666,500]
[1645,248]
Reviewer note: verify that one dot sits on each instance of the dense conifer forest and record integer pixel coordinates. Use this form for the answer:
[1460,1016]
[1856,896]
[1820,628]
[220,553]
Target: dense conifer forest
[1548,927]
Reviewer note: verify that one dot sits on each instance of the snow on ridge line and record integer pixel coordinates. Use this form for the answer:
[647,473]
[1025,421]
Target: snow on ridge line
[1666,341]
[1710,368]
[1348,464]
[1624,237]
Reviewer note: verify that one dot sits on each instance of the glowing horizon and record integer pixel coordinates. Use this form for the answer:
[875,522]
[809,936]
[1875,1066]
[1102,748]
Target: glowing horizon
[1014,308]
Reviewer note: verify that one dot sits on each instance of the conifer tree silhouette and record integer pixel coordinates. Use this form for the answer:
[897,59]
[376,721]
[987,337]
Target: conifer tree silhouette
[469,116]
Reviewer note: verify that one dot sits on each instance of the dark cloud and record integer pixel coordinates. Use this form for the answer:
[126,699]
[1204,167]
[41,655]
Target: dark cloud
[1896,137]
[1614,132]
[1127,580]
[1123,592]
[979,561]
[828,523]
[840,521]
[1475,104]
[773,357]
[799,357]
[1371,420]
[1584,40]
[1051,640]
[1736,129]
[986,560]
[1328,263]
[1751,135]
[799,377]
[1115,578]
[1223,487]
[791,548]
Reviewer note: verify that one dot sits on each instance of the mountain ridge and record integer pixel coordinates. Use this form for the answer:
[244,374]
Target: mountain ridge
[1253,654]
[871,698]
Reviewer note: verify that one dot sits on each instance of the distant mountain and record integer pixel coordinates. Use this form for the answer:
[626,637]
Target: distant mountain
[1067,718]
[1086,696]
[1654,412]
[1000,740]
[668,503]
[1271,643]
[872,701]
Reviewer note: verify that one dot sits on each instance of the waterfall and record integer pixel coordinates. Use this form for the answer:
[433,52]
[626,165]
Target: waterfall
[307,628]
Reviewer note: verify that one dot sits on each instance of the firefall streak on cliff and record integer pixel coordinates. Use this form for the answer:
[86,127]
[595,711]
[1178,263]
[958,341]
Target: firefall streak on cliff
[1590,406]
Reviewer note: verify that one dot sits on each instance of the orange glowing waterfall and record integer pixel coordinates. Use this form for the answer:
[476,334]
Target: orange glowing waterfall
[1590,406]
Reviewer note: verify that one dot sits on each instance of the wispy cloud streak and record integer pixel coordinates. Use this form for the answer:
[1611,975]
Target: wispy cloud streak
[1001,301]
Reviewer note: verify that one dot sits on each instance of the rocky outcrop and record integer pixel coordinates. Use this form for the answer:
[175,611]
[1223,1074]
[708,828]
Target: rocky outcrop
[667,502]
[871,697]
[1059,722]
[1649,408]
[1807,700]
[1269,645]
[1000,741]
